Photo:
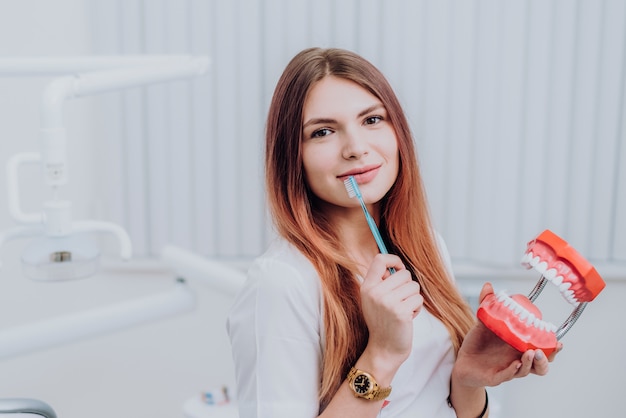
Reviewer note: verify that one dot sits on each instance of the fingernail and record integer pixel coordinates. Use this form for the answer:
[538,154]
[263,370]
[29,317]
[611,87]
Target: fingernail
[539,355]
[518,366]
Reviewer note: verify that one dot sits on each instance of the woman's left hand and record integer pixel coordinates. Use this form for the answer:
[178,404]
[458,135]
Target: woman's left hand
[485,360]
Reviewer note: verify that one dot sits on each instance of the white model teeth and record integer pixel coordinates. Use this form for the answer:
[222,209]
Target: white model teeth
[529,318]
[569,295]
[526,258]
[551,274]
[542,267]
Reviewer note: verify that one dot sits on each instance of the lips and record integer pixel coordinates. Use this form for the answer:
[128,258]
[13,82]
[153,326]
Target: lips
[362,175]
[516,320]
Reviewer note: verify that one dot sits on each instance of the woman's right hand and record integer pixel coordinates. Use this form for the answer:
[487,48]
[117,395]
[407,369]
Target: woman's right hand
[390,302]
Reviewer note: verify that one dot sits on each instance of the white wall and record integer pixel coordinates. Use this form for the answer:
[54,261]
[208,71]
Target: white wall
[152,370]
[516,109]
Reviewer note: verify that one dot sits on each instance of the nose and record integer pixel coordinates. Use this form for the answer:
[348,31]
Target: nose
[354,147]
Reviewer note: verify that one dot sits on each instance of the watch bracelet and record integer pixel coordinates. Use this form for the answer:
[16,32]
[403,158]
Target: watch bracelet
[377,394]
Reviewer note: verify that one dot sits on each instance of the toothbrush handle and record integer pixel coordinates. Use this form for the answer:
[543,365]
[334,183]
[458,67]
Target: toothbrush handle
[376,233]
[377,237]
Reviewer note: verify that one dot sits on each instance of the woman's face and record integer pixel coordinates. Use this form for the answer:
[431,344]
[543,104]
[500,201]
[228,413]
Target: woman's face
[346,131]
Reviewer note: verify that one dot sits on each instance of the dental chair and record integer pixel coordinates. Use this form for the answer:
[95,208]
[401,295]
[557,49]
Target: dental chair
[26,408]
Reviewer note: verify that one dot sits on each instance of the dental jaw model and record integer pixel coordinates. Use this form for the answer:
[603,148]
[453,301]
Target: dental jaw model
[517,321]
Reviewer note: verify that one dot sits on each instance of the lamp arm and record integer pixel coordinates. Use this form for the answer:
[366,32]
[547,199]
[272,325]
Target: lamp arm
[61,89]
[192,266]
[80,325]
[45,66]
[126,247]
[96,82]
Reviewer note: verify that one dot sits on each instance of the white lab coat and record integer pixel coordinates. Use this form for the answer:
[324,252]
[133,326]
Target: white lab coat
[277,337]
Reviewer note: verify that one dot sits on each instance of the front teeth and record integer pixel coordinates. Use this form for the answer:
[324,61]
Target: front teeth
[551,274]
[529,318]
[541,267]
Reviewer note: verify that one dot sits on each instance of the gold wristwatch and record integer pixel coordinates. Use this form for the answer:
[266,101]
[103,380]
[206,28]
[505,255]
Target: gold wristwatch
[364,386]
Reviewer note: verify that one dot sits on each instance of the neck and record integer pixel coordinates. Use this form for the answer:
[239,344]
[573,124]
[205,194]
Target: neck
[356,236]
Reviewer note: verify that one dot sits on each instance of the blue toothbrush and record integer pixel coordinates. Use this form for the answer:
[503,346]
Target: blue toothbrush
[353,191]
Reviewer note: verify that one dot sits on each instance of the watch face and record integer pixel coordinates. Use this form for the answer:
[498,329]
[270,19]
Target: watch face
[362,384]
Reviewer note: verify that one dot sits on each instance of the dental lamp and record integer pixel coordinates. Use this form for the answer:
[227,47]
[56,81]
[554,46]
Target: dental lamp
[64,249]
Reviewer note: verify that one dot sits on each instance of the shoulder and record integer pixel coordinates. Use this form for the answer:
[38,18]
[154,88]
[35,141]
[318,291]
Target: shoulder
[283,268]
[280,283]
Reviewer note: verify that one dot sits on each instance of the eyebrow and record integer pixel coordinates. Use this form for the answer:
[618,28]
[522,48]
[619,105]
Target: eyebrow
[362,113]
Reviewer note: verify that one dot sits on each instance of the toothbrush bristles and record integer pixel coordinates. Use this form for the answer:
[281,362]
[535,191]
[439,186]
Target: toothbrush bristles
[349,184]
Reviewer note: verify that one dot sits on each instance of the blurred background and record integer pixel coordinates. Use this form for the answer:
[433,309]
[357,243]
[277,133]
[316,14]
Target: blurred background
[518,114]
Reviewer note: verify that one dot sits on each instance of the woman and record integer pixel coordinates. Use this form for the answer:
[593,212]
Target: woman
[321,318]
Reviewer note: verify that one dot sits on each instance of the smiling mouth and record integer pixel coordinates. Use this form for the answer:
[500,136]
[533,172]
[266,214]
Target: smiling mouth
[361,175]
[516,320]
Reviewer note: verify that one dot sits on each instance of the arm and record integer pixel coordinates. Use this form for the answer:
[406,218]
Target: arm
[486,360]
[274,328]
[389,303]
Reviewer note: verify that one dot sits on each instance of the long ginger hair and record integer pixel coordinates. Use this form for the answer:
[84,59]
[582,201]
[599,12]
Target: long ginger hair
[404,219]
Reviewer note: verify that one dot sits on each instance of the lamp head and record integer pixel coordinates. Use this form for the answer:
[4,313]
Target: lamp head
[54,258]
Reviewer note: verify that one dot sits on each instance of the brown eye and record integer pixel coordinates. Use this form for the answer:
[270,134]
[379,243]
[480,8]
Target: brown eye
[321,133]
[372,120]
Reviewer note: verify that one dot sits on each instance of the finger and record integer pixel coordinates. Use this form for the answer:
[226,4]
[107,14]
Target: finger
[391,262]
[399,292]
[527,363]
[402,284]
[507,374]
[398,286]
[552,356]
[378,270]
[414,303]
[486,290]
[410,307]
[540,363]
